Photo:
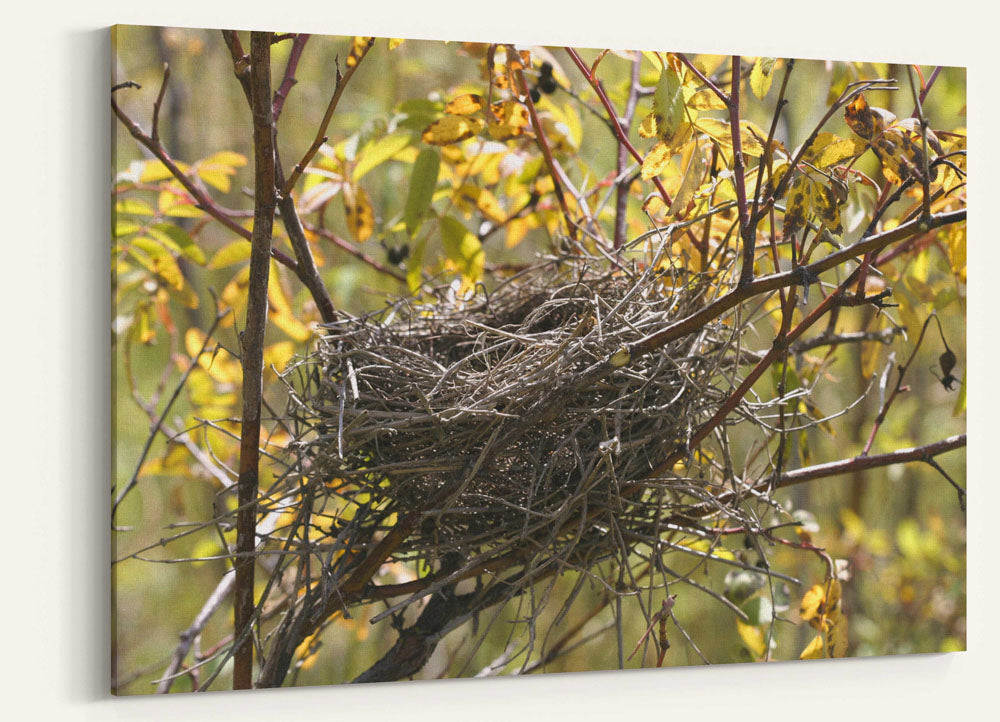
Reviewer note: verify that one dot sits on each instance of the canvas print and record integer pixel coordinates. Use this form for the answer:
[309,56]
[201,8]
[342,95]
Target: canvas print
[443,359]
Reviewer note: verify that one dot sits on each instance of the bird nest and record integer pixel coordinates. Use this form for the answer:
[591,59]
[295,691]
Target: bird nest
[511,426]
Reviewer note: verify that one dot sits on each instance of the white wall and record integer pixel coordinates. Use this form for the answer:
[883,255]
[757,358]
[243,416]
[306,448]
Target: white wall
[54,157]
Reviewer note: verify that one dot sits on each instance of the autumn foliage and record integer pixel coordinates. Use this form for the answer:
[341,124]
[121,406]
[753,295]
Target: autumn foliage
[808,255]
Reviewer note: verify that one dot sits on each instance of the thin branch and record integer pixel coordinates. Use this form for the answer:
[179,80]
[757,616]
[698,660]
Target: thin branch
[615,121]
[202,199]
[794,277]
[134,480]
[155,134]
[701,76]
[622,189]
[543,145]
[321,137]
[864,462]
[739,176]
[288,81]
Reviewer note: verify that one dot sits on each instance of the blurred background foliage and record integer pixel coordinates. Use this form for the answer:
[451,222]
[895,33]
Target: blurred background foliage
[899,528]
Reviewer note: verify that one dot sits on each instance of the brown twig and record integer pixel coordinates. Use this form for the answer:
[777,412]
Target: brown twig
[288,81]
[513,61]
[622,189]
[615,121]
[321,137]
[202,199]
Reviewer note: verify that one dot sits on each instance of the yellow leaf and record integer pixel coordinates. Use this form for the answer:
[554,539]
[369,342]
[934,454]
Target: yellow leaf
[512,120]
[290,325]
[172,204]
[827,149]
[358,212]
[358,45]
[812,602]
[225,158]
[814,650]
[462,248]
[656,160]
[721,131]
[219,364]
[468,104]
[799,205]
[396,42]
[761,76]
[753,638]
[517,229]
[669,103]
[695,163]
[230,254]
[154,170]
[279,354]
[490,207]
[706,100]
[649,127]
[451,129]
[158,260]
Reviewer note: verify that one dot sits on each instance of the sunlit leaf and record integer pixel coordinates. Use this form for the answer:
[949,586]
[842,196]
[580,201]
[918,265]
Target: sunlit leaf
[761,76]
[230,254]
[656,160]
[468,104]
[379,152]
[452,129]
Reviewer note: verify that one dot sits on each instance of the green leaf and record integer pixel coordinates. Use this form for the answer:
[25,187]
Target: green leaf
[380,151]
[463,248]
[178,240]
[423,180]
[668,103]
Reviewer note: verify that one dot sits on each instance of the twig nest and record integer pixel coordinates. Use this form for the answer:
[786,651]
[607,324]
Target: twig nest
[517,423]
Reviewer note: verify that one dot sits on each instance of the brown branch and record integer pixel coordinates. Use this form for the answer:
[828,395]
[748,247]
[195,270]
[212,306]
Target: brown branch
[353,250]
[794,277]
[288,81]
[701,76]
[321,137]
[155,133]
[863,462]
[202,199]
[252,351]
[543,145]
[613,117]
[747,234]
[306,268]
[622,189]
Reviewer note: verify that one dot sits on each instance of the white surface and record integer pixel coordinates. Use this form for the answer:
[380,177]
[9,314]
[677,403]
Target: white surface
[56,359]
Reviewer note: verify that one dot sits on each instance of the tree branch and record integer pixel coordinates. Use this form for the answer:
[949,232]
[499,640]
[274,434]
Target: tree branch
[252,350]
